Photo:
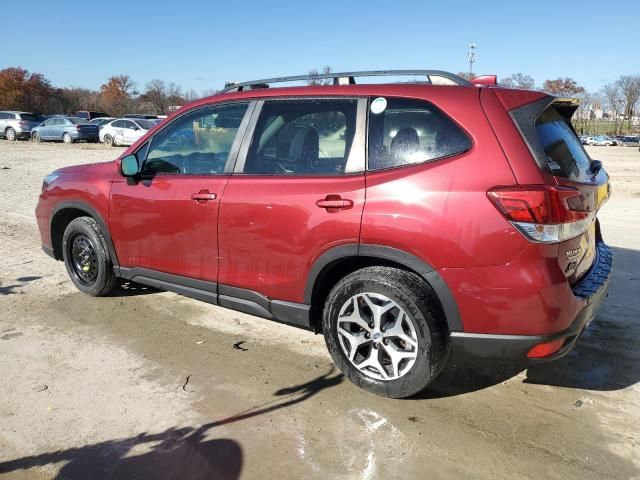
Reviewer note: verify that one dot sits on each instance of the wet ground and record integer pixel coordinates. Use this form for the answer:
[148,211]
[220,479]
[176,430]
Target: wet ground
[148,384]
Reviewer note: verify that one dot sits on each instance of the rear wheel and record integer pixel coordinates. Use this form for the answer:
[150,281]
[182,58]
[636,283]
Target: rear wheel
[384,330]
[10,134]
[66,138]
[87,257]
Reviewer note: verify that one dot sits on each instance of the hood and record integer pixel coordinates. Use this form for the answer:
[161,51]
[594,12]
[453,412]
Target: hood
[80,168]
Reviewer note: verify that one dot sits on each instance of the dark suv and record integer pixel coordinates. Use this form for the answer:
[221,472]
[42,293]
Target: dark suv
[406,221]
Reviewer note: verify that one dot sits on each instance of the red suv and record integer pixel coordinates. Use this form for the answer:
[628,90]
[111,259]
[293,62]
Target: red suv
[405,221]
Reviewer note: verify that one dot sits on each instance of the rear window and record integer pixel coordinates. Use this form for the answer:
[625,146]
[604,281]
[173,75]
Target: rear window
[565,154]
[79,121]
[30,117]
[146,124]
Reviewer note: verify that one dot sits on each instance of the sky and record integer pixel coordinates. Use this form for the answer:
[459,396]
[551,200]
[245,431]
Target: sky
[201,44]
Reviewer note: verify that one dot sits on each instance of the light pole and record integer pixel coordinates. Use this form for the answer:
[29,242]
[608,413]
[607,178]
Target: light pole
[472,58]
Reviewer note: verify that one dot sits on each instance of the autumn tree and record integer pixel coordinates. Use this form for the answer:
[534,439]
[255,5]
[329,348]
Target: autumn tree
[519,80]
[116,95]
[21,90]
[562,87]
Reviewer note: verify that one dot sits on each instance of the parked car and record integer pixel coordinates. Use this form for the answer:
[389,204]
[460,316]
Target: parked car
[124,131]
[140,116]
[631,141]
[16,125]
[102,121]
[583,139]
[601,140]
[66,129]
[90,115]
[409,223]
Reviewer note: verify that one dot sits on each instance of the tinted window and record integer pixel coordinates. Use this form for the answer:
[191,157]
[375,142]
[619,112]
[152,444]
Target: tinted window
[118,124]
[565,154]
[197,143]
[146,124]
[79,121]
[129,125]
[4,116]
[411,131]
[31,117]
[307,137]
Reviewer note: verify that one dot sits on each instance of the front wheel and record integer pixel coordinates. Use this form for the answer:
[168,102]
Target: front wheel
[87,257]
[108,140]
[36,137]
[385,331]
[10,134]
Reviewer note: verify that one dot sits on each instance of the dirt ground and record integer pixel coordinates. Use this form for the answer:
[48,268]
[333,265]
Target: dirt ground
[149,385]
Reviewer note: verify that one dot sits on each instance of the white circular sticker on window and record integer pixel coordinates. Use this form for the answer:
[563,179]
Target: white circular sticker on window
[378,105]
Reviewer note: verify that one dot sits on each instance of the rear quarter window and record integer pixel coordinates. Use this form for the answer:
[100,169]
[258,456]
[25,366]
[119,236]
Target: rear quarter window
[411,131]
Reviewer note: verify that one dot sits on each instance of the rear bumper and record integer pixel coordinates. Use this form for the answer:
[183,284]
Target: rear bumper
[590,291]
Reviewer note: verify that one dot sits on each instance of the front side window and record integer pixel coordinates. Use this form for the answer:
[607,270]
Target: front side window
[302,137]
[198,143]
[407,131]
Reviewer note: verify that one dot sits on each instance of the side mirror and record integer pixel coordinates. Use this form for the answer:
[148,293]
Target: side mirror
[129,166]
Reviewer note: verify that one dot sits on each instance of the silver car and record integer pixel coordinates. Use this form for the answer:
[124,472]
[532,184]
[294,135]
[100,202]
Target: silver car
[15,125]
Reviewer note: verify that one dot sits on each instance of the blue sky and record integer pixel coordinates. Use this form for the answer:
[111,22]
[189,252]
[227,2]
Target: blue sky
[201,44]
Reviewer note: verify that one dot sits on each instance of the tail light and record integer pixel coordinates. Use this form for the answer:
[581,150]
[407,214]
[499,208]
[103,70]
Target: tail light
[543,213]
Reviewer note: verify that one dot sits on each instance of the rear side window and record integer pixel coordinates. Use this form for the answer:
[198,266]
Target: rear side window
[302,137]
[407,131]
[565,154]
[30,117]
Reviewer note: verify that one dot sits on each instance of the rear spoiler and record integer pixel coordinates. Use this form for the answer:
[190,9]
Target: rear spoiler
[566,107]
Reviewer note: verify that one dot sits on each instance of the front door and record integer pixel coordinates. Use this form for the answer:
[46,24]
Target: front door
[297,191]
[167,221]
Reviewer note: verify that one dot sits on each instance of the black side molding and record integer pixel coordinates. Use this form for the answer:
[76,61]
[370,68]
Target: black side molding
[240,299]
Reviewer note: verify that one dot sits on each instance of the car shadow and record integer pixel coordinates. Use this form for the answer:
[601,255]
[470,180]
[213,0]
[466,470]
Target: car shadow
[606,358]
[173,453]
[127,288]
[11,289]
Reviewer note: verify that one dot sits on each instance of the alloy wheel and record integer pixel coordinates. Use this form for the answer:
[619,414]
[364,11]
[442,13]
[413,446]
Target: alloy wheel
[377,336]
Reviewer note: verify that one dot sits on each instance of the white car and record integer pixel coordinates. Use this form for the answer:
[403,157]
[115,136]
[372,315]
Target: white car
[124,131]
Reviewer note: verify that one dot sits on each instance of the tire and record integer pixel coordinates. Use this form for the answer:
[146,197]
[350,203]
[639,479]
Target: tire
[421,339]
[108,140]
[87,257]
[10,134]
[36,137]
[66,138]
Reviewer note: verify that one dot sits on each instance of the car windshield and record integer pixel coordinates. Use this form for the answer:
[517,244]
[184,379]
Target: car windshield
[30,117]
[79,121]
[145,124]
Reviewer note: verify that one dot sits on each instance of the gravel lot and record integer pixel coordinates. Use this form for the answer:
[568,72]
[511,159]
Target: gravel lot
[148,385]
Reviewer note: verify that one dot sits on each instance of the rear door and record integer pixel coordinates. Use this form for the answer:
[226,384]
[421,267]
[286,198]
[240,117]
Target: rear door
[167,222]
[298,190]
[572,167]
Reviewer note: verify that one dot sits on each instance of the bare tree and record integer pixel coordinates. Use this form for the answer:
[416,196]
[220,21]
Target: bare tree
[562,87]
[156,95]
[519,80]
[320,81]
[614,100]
[630,90]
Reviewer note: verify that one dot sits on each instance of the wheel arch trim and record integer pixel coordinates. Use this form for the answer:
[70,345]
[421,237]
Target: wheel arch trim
[407,260]
[79,205]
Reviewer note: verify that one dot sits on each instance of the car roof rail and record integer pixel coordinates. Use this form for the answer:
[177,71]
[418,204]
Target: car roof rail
[348,78]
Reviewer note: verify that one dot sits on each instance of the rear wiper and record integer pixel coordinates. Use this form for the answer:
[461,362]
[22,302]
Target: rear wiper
[594,167]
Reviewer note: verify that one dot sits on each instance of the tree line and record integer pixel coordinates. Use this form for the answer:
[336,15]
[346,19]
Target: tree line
[33,92]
